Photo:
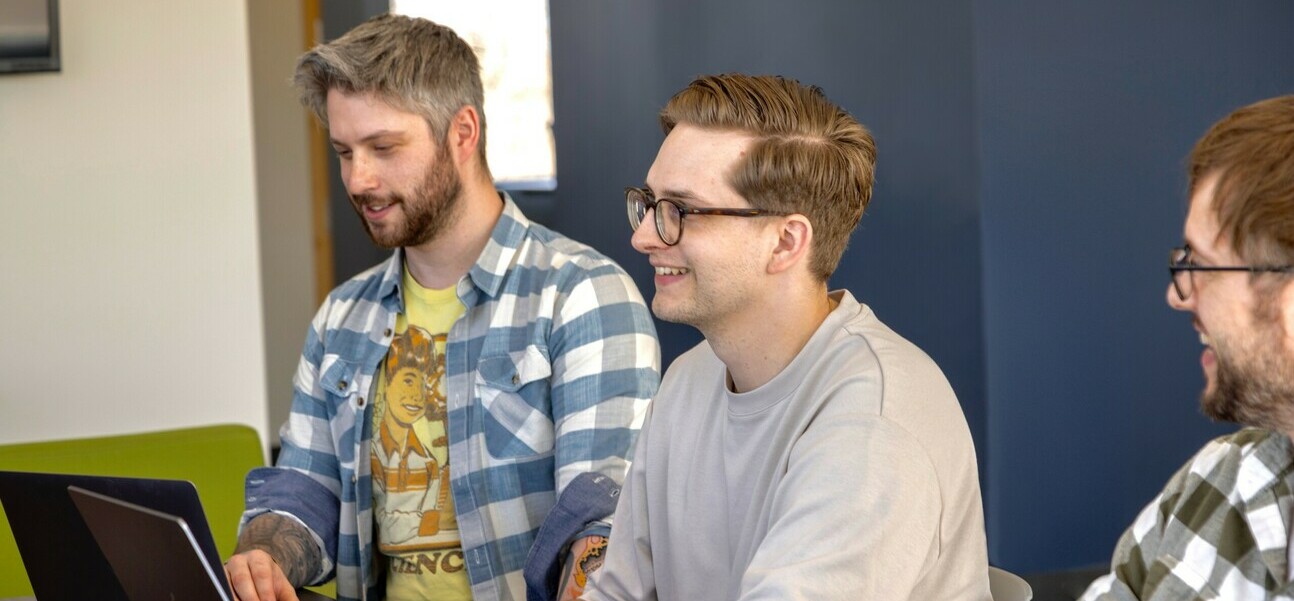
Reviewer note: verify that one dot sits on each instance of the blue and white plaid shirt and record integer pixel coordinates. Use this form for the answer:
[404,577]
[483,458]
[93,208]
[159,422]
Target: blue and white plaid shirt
[548,375]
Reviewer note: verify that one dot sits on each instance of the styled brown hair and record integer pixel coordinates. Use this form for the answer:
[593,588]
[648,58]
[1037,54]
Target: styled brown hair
[1252,151]
[809,156]
[412,64]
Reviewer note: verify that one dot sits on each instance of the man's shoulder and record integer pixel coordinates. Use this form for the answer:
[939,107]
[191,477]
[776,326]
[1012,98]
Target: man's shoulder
[1220,461]
[883,345]
[1192,517]
[528,255]
[1226,471]
[356,298]
[884,368]
[546,248]
[584,279]
[364,285]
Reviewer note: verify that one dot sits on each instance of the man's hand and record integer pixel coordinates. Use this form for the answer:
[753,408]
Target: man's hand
[275,555]
[255,576]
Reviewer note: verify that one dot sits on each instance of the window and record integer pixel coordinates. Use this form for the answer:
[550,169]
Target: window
[511,41]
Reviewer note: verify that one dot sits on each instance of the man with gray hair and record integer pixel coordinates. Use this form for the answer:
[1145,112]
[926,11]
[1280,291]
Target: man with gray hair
[489,373]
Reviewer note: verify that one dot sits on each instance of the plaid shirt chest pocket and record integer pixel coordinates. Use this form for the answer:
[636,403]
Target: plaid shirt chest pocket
[515,391]
[339,377]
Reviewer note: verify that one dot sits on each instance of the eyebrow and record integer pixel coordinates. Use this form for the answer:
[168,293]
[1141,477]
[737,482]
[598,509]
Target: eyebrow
[381,133]
[1195,251]
[675,194]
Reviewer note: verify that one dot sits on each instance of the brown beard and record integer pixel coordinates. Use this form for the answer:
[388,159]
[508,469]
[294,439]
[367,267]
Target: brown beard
[1255,378]
[433,208]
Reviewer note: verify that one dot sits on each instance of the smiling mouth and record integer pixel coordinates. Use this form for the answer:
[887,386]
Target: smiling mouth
[371,203]
[671,271]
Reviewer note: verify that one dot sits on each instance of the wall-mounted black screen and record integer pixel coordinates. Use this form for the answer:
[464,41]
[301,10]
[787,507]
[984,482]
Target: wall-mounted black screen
[29,36]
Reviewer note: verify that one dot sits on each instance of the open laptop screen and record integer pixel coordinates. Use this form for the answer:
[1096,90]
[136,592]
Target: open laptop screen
[62,559]
[154,554]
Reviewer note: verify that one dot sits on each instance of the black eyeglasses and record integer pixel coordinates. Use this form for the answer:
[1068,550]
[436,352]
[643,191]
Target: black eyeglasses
[670,213]
[1181,261]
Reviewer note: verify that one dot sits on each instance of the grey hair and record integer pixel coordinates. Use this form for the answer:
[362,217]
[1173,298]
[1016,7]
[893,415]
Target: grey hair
[412,64]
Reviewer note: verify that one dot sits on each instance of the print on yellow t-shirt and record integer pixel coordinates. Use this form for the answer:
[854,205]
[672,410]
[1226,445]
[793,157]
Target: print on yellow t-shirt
[417,529]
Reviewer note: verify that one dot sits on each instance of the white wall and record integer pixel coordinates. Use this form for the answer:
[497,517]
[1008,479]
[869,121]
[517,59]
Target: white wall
[283,189]
[129,276]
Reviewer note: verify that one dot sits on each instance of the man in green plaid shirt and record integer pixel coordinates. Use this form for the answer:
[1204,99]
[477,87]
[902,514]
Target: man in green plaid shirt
[1221,527]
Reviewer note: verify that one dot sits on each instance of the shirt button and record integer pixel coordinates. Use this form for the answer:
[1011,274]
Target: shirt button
[516,379]
[388,332]
[342,384]
[360,402]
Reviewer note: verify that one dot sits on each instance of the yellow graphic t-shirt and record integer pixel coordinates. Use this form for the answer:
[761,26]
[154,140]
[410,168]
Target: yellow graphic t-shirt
[417,530]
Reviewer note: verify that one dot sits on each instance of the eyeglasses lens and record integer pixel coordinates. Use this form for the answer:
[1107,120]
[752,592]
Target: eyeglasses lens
[1180,257]
[669,219]
[637,207]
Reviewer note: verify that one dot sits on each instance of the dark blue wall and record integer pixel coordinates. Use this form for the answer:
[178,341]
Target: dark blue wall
[1054,131]
[1030,183]
[1086,113]
[904,69]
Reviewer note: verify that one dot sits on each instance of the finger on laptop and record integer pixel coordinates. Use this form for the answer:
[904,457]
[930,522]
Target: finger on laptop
[255,576]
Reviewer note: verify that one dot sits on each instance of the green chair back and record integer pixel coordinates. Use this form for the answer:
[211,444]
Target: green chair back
[215,458]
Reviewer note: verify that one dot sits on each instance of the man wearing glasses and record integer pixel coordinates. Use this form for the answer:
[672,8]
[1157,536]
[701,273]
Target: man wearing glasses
[803,450]
[1221,527]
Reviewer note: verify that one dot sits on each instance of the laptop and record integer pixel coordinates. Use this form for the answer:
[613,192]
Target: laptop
[155,555]
[60,554]
[62,559]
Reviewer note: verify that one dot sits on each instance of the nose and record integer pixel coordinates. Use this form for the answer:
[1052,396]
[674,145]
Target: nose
[645,238]
[360,177]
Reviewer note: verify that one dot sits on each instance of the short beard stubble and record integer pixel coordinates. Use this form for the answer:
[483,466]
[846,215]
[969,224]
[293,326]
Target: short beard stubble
[1255,376]
[430,210]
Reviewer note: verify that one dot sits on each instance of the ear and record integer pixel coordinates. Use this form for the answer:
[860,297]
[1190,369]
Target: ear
[464,133]
[794,238]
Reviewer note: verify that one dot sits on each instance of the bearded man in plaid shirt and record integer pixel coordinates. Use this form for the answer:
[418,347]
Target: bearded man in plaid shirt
[491,375]
[1221,527]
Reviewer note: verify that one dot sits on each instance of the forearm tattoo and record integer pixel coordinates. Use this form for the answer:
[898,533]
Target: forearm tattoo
[288,542]
[586,556]
[590,560]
